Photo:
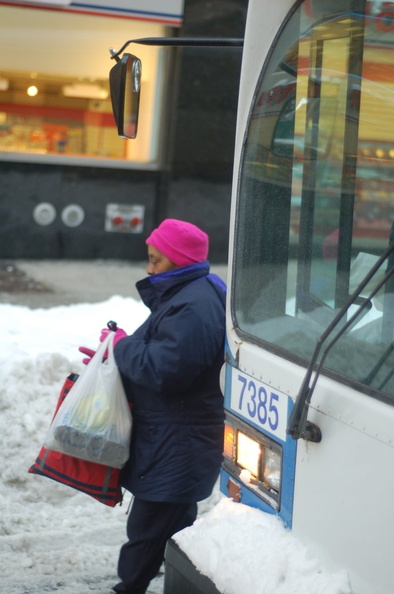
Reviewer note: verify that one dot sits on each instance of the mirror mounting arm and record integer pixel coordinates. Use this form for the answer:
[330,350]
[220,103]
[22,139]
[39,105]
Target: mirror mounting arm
[180,42]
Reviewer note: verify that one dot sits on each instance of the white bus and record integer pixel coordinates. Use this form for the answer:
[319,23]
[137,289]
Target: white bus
[309,371]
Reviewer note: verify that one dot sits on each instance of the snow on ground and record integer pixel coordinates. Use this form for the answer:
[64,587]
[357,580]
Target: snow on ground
[53,538]
[56,539]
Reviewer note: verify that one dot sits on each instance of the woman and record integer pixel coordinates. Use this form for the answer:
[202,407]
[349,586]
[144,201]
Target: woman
[170,369]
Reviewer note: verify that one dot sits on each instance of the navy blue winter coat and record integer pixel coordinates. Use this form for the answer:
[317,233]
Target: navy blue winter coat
[170,369]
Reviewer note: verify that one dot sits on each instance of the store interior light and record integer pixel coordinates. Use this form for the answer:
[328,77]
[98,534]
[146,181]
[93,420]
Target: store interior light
[32,91]
[85,91]
[4,84]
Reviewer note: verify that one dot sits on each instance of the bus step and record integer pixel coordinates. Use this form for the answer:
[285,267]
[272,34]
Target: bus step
[181,576]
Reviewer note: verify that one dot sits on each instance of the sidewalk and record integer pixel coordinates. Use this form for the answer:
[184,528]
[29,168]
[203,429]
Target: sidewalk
[49,283]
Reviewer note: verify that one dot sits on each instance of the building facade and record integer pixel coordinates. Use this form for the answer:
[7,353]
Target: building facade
[71,187]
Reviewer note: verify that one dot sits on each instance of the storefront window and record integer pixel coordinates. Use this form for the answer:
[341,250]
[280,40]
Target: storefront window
[54,92]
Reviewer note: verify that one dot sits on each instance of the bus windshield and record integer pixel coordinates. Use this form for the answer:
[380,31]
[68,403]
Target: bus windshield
[316,194]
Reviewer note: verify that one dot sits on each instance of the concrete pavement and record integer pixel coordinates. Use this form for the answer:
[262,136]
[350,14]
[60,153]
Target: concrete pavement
[49,283]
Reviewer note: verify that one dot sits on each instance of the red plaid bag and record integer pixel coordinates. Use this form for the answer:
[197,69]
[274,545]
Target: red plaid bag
[96,480]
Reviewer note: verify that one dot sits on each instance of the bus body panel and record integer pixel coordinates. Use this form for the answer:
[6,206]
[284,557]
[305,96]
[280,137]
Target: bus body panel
[337,482]
[343,503]
[343,490]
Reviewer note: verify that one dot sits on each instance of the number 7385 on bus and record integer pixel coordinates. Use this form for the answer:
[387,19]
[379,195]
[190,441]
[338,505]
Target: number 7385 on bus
[259,404]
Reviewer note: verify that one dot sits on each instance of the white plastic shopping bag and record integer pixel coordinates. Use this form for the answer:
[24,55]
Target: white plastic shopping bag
[94,422]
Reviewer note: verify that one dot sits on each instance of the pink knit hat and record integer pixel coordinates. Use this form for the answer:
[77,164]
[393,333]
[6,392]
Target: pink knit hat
[180,242]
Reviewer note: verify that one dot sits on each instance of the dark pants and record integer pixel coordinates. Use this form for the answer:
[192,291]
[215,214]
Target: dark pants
[150,524]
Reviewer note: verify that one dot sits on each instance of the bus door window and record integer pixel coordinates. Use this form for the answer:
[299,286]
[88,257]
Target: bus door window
[329,124]
[265,206]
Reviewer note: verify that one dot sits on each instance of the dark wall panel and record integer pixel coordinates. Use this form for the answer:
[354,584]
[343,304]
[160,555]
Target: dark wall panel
[24,186]
[205,121]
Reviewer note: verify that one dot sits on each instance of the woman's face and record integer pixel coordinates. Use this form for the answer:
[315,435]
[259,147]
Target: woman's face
[157,262]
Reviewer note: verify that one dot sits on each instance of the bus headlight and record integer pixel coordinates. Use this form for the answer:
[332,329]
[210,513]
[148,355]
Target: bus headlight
[228,441]
[253,458]
[271,471]
[248,453]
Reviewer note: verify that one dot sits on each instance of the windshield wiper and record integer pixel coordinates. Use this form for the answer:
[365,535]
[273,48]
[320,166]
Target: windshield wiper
[299,426]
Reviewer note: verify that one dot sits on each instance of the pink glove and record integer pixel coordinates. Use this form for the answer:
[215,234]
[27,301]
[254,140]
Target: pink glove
[119,334]
[88,352]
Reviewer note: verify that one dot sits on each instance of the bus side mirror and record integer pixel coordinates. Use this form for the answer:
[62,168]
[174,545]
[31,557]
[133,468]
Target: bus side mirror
[125,84]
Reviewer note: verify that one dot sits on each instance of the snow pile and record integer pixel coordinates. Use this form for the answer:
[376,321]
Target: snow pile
[52,538]
[243,550]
